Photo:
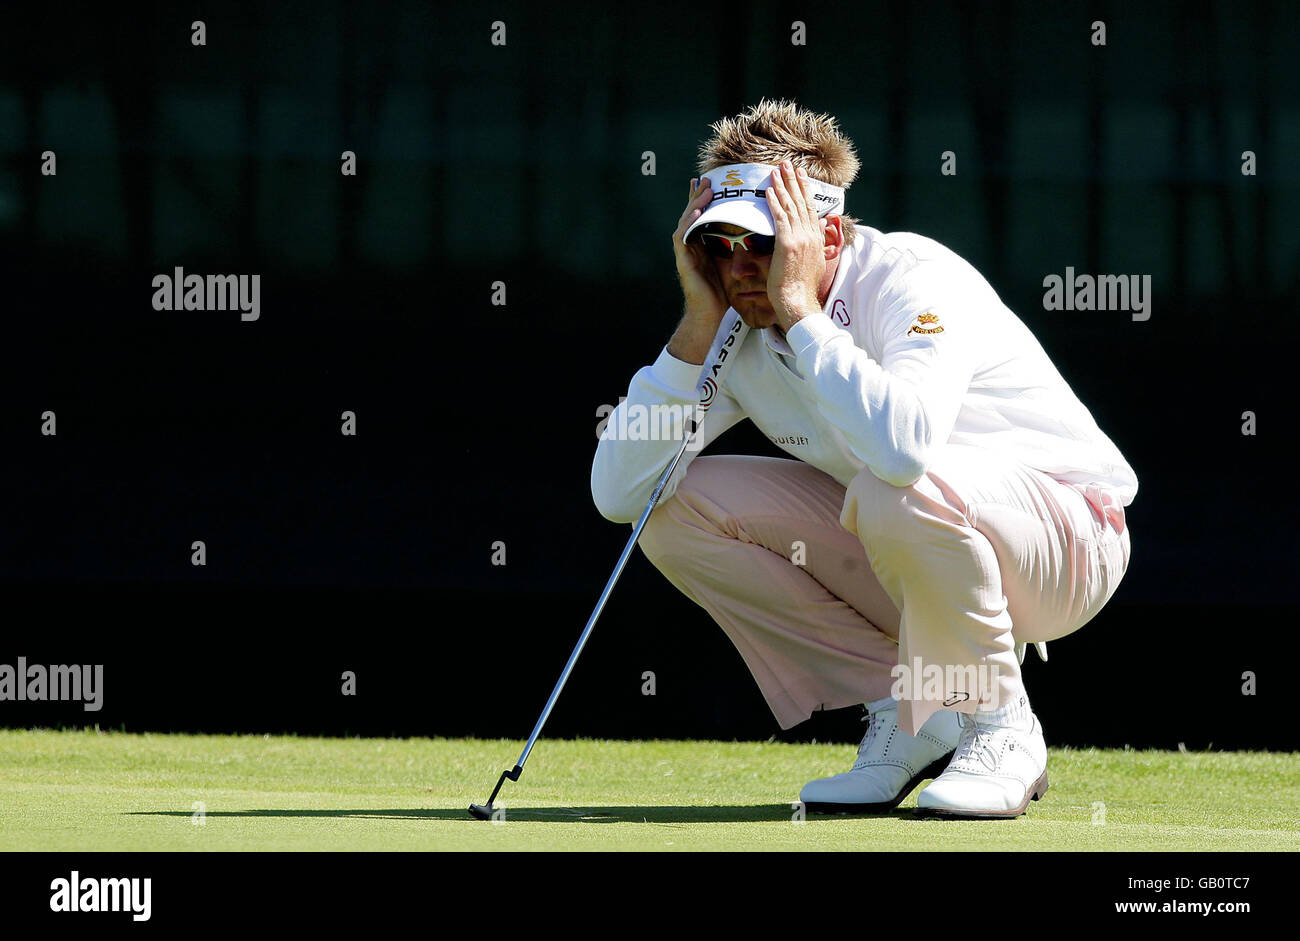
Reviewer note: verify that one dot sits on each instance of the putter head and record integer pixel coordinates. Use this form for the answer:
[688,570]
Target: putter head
[485,811]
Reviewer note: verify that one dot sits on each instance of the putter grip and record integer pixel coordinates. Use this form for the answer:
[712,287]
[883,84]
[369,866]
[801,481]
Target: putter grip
[722,354]
[731,331]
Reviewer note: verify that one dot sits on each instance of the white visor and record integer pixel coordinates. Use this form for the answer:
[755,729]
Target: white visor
[740,198]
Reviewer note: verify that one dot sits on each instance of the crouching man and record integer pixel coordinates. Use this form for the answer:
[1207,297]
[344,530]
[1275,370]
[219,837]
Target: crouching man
[948,502]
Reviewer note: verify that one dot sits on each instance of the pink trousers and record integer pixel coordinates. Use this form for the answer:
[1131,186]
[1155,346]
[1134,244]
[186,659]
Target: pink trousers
[838,596]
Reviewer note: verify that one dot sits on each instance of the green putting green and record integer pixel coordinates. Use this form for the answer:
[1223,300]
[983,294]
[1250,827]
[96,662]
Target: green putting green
[87,790]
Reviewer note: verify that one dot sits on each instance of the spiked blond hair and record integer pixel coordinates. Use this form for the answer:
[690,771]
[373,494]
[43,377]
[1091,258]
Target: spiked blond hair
[776,130]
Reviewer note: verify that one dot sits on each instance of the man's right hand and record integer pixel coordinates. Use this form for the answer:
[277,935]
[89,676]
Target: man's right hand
[705,301]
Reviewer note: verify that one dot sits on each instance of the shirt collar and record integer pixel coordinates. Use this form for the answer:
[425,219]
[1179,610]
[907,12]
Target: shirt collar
[775,342]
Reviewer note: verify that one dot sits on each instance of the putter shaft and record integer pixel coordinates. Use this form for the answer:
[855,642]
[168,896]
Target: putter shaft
[727,342]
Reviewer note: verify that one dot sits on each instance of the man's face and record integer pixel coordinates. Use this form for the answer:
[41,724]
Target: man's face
[744,280]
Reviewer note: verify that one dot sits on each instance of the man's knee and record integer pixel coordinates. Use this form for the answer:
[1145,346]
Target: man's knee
[874,507]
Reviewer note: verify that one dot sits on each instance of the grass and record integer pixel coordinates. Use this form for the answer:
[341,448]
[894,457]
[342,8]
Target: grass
[87,790]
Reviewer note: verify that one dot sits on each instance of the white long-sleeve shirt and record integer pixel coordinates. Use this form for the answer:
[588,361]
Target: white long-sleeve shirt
[912,350]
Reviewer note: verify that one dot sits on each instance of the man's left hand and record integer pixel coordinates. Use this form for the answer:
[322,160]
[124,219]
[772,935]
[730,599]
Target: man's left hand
[799,259]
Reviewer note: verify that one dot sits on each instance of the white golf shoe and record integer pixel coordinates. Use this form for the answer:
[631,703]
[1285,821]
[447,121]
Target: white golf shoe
[1000,766]
[890,763]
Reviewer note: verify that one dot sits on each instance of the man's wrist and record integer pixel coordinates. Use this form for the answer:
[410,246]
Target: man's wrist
[787,317]
[691,340]
[686,350]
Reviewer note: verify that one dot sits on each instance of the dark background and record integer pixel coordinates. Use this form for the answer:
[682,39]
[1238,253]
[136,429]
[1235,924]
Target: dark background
[523,164]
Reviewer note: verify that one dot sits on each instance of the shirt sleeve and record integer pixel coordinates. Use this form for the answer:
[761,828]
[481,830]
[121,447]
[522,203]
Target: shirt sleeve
[894,413]
[638,440]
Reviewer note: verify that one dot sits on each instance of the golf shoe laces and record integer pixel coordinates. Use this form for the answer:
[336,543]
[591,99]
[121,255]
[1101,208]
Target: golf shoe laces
[873,723]
[976,743]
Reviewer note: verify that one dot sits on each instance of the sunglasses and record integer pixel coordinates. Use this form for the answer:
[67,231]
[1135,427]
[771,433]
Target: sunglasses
[721,245]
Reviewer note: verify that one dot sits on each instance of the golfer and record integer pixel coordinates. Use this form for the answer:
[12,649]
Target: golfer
[947,501]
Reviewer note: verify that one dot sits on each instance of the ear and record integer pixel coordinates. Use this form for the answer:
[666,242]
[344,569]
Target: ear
[833,231]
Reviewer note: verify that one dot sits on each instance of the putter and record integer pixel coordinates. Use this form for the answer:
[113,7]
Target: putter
[731,333]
